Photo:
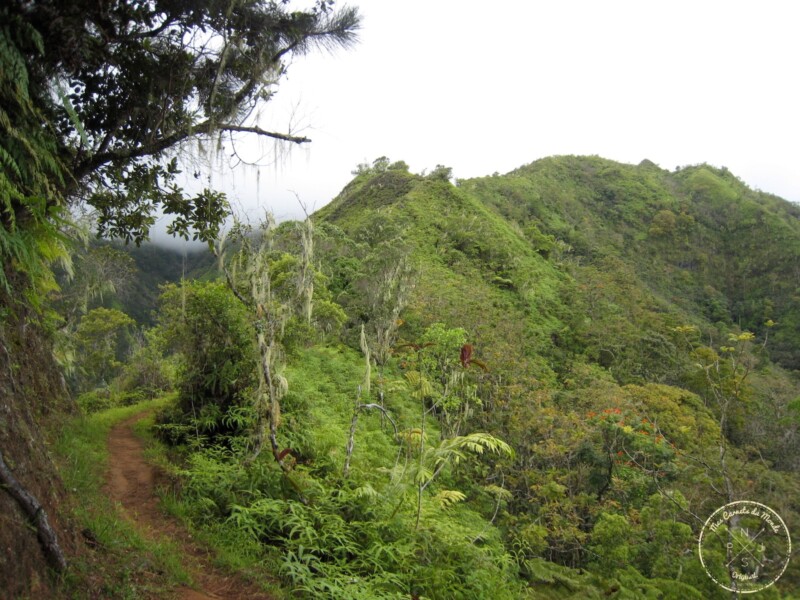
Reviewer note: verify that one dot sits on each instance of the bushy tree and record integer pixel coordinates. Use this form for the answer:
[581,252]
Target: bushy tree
[210,331]
[99,341]
[147,371]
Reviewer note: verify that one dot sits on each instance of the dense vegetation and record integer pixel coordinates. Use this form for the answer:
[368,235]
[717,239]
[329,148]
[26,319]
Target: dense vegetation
[537,384]
[531,385]
[96,99]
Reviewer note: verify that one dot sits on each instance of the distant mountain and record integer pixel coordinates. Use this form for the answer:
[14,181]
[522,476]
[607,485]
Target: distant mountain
[156,265]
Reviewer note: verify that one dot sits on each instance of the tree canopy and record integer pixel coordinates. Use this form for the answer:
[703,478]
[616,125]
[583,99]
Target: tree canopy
[121,85]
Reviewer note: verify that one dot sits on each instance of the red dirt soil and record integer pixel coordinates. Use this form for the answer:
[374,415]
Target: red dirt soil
[132,482]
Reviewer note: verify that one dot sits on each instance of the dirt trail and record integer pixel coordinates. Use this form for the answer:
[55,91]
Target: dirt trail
[132,481]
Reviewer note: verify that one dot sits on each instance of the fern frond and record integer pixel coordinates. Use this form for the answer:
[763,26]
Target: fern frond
[498,492]
[365,491]
[8,162]
[448,498]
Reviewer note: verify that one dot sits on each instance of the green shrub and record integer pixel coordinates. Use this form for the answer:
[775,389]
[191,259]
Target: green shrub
[95,400]
[132,397]
[209,330]
[147,369]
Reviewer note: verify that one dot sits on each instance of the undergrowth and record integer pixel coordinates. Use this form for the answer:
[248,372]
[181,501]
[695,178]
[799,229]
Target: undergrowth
[362,536]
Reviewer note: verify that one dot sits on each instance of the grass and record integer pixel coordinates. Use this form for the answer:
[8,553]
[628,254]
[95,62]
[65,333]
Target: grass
[122,563]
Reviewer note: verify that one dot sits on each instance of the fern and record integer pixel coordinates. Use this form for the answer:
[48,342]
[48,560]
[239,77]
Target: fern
[548,572]
[34,217]
[365,491]
[498,492]
[454,450]
[9,162]
[447,498]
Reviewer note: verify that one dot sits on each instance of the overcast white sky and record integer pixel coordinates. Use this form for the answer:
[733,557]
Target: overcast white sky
[490,86]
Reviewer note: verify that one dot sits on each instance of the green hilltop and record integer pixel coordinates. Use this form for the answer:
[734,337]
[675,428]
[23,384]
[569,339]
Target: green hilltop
[473,268]
[574,247]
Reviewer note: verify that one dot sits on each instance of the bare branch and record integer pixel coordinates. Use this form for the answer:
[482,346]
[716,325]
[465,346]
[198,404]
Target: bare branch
[385,413]
[160,145]
[272,134]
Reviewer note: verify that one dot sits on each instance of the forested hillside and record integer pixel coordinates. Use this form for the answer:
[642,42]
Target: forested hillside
[539,384]
[594,288]
[544,384]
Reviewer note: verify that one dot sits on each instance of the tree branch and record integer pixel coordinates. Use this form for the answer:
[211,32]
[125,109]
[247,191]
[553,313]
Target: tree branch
[205,128]
[385,414]
[35,511]
[353,423]
[258,131]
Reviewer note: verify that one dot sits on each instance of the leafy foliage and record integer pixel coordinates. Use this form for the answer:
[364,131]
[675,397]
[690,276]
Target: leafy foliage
[148,371]
[209,330]
[99,346]
[205,65]
[352,539]
[32,176]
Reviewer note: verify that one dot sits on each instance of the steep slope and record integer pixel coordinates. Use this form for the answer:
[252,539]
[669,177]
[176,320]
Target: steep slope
[473,269]
[30,399]
[611,304]
[698,238]
[651,251]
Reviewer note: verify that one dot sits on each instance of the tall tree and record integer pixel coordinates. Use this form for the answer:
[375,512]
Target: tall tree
[125,84]
[99,341]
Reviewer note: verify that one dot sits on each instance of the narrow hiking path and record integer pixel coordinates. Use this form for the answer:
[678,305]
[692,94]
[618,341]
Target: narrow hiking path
[131,480]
